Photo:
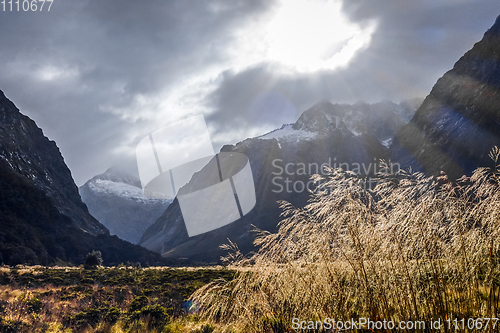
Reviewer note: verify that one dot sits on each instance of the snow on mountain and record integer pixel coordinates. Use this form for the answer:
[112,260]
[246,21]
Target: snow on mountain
[42,217]
[120,189]
[387,143]
[325,134]
[117,200]
[288,133]
[380,120]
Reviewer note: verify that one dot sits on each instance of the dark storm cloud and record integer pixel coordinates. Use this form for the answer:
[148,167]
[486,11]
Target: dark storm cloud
[414,44]
[92,74]
[109,52]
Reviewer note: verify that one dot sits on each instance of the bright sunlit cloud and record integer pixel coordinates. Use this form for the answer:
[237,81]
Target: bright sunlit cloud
[51,73]
[294,36]
[299,36]
[309,35]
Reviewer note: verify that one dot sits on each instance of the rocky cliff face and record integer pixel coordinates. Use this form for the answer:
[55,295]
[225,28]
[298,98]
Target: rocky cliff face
[30,154]
[282,162]
[459,122]
[42,218]
[117,201]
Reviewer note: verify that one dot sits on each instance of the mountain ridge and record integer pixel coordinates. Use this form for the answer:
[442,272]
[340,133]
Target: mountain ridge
[307,141]
[116,200]
[42,218]
[459,121]
[27,151]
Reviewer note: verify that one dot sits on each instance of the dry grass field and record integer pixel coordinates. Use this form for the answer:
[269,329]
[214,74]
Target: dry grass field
[415,248]
[125,299]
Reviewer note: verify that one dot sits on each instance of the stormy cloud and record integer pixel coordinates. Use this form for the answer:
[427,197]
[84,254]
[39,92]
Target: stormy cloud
[98,76]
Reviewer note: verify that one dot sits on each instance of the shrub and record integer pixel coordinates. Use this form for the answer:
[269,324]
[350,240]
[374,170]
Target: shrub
[90,316]
[86,281]
[138,303]
[112,315]
[3,306]
[93,260]
[58,281]
[207,328]
[157,315]
[34,304]
[12,326]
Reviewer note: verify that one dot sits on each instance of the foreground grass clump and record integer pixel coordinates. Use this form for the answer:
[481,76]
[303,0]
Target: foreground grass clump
[38,299]
[415,248]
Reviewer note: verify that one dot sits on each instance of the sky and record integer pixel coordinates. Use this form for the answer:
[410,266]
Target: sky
[99,76]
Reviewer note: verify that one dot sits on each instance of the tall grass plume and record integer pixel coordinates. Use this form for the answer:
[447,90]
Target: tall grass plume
[414,248]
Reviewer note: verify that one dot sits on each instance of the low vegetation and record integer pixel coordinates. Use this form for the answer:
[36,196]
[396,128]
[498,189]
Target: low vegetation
[121,299]
[34,232]
[415,248]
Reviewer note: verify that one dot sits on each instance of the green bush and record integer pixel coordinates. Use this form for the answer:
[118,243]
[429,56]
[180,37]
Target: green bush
[157,314]
[112,315]
[11,326]
[86,281]
[34,305]
[90,316]
[3,306]
[93,260]
[138,303]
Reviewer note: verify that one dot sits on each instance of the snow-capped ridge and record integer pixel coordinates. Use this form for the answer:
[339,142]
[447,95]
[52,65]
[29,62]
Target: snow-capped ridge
[381,120]
[288,133]
[121,189]
[116,175]
[117,200]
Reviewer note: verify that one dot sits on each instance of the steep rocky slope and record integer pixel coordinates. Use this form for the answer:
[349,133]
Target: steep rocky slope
[282,162]
[42,218]
[29,153]
[117,201]
[459,122]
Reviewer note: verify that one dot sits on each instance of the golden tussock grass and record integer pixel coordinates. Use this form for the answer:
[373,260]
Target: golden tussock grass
[414,248]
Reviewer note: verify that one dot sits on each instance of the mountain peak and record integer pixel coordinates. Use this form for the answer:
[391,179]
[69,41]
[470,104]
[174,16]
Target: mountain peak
[282,162]
[380,120]
[42,217]
[30,154]
[117,175]
[495,29]
[117,200]
[459,122]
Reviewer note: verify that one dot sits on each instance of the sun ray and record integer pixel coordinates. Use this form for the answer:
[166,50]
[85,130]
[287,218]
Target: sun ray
[309,35]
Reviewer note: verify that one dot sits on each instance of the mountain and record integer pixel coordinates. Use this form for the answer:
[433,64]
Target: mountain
[282,162]
[42,218]
[30,154]
[459,121]
[117,201]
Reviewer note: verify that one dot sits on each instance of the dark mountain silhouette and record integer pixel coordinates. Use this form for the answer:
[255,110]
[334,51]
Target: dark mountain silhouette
[26,151]
[42,218]
[459,122]
[326,133]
